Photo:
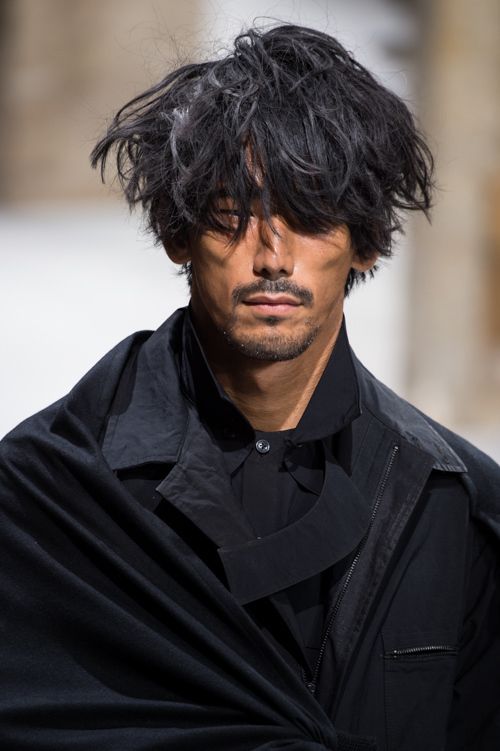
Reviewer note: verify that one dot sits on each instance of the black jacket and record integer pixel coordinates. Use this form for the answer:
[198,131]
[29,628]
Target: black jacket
[115,634]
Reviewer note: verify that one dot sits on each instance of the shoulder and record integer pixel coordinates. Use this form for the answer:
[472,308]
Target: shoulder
[80,417]
[451,451]
[478,463]
[87,403]
[483,473]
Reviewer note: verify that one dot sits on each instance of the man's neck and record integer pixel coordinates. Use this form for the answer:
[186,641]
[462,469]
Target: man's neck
[271,395]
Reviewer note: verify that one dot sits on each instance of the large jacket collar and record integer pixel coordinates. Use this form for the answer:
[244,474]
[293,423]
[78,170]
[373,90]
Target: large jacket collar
[153,368]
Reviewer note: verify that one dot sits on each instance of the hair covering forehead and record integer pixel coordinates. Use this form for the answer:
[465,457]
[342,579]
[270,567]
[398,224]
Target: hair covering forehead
[328,144]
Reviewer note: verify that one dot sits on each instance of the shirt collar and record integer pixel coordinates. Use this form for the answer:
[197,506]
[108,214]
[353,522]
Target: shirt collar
[148,417]
[335,402]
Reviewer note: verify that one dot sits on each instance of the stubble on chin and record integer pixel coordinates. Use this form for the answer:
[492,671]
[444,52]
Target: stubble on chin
[273,347]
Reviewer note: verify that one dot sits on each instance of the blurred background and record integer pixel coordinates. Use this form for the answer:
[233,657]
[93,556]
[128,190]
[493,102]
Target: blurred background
[78,273]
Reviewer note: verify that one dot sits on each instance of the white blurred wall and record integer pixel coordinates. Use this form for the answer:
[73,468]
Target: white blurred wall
[77,278]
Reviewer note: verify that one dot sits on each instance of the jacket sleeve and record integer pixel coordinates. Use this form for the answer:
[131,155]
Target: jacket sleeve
[113,634]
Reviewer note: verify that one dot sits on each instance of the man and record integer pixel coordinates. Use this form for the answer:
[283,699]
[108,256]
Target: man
[230,535]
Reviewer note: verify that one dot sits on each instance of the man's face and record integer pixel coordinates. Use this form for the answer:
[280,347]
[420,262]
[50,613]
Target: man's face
[273,293]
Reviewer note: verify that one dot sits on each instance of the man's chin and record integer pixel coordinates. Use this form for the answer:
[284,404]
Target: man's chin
[270,348]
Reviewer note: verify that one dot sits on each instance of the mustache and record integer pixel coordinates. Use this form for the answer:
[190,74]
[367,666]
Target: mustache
[268,286]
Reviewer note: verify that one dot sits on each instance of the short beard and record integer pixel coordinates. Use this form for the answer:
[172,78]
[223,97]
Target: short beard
[271,348]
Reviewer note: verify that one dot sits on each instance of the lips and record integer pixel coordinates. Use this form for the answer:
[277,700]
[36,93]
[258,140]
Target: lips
[272,306]
[271,300]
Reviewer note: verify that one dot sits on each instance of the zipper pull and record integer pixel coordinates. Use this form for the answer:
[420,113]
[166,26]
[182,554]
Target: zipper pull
[312,687]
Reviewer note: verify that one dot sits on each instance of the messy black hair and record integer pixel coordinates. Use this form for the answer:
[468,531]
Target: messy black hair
[288,118]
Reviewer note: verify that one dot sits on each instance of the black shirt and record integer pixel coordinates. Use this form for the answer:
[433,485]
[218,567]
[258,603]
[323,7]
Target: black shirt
[300,516]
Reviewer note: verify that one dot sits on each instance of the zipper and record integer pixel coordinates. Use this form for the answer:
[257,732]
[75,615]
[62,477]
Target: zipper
[311,681]
[395,654]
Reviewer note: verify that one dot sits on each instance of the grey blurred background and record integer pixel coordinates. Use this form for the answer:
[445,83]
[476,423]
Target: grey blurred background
[78,273]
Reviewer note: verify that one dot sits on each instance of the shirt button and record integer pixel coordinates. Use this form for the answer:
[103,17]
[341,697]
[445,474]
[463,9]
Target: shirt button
[262,446]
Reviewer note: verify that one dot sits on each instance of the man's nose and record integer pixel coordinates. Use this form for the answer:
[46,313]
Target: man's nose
[273,250]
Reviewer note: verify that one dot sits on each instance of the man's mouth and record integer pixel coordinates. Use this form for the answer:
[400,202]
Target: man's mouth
[273,294]
[272,304]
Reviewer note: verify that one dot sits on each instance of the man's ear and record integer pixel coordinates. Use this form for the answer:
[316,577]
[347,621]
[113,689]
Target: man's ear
[364,264]
[178,254]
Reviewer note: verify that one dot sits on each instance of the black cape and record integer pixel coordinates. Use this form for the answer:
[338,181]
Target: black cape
[113,634]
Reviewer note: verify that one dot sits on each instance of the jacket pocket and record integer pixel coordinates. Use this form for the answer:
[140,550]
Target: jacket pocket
[418,685]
